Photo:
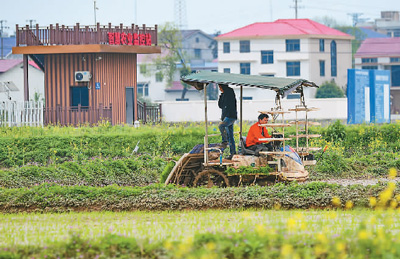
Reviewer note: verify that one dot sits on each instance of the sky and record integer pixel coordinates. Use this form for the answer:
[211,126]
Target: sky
[209,16]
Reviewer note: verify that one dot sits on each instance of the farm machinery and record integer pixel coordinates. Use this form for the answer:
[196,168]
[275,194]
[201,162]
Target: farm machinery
[204,165]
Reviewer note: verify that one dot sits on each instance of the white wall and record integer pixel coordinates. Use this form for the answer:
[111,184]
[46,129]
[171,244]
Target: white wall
[333,108]
[16,75]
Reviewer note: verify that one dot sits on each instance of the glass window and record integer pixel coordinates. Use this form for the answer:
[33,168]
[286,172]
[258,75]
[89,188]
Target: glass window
[267,57]
[333,59]
[292,45]
[369,67]
[293,68]
[197,40]
[227,47]
[244,46]
[321,45]
[142,89]
[227,70]
[394,60]
[159,77]
[197,53]
[369,60]
[245,68]
[79,95]
[322,67]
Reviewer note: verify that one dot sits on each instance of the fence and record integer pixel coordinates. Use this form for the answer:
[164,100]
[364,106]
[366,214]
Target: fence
[149,113]
[77,115]
[78,34]
[29,113]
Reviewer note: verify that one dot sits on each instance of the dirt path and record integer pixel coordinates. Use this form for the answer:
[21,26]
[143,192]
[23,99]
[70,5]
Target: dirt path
[364,182]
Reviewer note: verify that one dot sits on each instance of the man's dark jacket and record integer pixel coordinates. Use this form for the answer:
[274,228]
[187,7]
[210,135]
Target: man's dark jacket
[227,102]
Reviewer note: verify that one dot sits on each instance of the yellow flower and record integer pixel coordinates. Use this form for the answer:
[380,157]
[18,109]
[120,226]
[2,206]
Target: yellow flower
[392,173]
[322,238]
[336,201]
[260,230]
[372,201]
[286,250]
[393,204]
[291,224]
[363,234]
[246,215]
[168,245]
[340,247]
[349,205]
[211,246]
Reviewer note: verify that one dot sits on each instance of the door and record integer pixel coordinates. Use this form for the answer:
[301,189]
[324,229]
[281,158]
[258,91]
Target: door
[130,105]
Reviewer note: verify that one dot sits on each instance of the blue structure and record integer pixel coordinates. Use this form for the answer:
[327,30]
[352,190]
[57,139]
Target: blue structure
[380,96]
[368,96]
[358,96]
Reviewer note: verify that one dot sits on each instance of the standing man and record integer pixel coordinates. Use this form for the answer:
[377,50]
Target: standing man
[257,132]
[227,102]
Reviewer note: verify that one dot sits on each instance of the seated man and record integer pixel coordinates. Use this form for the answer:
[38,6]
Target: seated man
[255,133]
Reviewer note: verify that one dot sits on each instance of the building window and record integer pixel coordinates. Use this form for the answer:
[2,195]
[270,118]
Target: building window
[369,67]
[197,40]
[159,77]
[227,47]
[79,96]
[197,53]
[268,75]
[247,98]
[244,46]
[227,70]
[321,45]
[394,60]
[142,89]
[369,60]
[293,68]
[245,68]
[322,67]
[292,45]
[333,59]
[396,33]
[267,57]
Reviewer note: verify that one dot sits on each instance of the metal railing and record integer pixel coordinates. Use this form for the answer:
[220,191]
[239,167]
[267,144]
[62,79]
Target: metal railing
[77,115]
[76,35]
[149,113]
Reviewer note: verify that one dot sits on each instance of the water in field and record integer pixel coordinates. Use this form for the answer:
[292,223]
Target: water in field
[43,229]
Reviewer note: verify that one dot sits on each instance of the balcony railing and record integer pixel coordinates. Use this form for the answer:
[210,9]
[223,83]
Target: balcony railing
[149,113]
[77,35]
[77,115]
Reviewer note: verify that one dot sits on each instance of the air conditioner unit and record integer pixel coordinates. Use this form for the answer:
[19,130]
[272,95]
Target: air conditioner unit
[82,76]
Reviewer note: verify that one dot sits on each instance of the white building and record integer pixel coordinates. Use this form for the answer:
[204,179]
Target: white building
[296,48]
[11,70]
[197,47]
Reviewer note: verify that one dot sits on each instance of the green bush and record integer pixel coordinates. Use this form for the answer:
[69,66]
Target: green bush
[329,90]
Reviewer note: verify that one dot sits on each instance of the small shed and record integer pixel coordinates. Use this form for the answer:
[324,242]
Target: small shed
[90,71]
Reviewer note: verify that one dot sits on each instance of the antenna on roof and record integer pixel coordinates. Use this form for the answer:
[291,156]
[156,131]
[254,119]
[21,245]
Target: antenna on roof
[296,7]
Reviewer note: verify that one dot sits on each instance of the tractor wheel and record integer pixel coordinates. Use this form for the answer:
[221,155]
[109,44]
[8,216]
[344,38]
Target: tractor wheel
[211,177]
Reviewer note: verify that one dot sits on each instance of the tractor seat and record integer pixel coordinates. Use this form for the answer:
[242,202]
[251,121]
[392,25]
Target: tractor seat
[244,149]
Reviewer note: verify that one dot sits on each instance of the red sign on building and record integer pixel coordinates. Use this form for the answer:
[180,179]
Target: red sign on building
[118,38]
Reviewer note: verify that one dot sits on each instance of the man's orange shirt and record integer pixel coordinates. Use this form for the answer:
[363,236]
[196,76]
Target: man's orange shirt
[255,133]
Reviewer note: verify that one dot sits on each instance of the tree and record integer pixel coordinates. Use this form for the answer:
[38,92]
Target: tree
[170,40]
[329,90]
[358,34]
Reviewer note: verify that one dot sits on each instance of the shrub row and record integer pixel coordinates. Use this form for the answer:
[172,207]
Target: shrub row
[51,197]
[250,243]
[135,171]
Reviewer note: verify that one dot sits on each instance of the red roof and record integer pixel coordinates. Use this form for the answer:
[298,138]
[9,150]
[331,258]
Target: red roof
[378,47]
[7,64]
[284,27]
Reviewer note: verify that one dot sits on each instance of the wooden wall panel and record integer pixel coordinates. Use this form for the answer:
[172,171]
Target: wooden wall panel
[114,72]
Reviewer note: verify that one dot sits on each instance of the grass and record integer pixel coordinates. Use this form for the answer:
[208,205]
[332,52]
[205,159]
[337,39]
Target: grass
[45,229]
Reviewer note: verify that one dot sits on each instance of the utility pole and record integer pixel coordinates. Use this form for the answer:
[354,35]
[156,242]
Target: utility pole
[2,27]
[180,14]
[135,21]
[94,9]
[296,7]
[355,17]
[30,22]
